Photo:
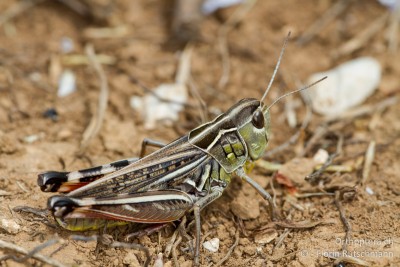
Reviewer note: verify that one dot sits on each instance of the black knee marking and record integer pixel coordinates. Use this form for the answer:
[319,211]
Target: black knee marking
[51,181]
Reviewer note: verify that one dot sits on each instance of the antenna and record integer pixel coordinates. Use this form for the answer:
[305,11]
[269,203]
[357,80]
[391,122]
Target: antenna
[295,91]
[276,68]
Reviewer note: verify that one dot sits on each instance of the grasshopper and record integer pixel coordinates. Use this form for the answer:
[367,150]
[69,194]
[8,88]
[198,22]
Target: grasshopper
[179,178]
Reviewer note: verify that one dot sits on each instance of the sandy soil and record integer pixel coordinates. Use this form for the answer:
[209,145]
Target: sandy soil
[31,62]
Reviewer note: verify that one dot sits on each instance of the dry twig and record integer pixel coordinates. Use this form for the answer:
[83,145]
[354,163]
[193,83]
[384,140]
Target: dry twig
[313,176]
[352,260]
[270,167]
[170,243]
[362,38]
[369,158]
[393,30]
[228,254]
[294,225]
[30,254]
[39,212]
[315,194]
[174,255]
[273,193]
[323,21]
[364,110]
[78,59]
[290,111]
[344,220]
[281,238]
[97,120]
[22,186]
[17,9]
[5,193]
[232,21]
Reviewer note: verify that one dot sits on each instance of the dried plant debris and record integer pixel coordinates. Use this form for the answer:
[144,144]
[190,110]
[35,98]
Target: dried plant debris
[167,100]
[30,254]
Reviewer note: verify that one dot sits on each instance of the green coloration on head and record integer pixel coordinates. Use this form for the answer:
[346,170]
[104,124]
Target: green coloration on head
[236,136]
[256,138]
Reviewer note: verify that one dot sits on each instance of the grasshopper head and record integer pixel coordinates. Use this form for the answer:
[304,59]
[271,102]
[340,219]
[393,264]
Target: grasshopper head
[256,132]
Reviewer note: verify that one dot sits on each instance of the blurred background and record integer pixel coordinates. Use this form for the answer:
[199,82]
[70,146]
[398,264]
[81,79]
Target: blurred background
[82,82]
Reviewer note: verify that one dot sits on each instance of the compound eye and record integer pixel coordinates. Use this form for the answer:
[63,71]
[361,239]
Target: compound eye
[258,119]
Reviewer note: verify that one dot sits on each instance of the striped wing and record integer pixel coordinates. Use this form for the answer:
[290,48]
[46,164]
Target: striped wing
[160,170]
[64,182]
[148,207]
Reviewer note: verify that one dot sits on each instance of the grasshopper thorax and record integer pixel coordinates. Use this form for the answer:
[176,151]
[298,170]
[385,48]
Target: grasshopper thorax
[235,136]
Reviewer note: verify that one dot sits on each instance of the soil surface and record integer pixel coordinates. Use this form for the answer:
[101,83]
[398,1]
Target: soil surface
[139,50]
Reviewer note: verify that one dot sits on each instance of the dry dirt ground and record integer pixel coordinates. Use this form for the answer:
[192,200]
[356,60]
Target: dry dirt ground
[30,64]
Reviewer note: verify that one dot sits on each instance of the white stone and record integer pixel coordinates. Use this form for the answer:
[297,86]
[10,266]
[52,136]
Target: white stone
[321,156]
[369,190]
[212,245]
[66,84]
[10,226]
[167,100]
[347,85]
[158,262]
[392,4]
[209,6]
[266,237]
[67,44]
[31,138]
[154,111]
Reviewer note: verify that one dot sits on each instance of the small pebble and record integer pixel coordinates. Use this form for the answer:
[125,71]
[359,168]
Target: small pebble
[167,100]
[66,45]
[250,250]
[321,156]
[347,85]
[265,237]
[10,226]
[64,134]
[51,113]
[131,260]
[66,84]
[154,110]
[35,76]
[158,262]
[212,245]
[246,207]
[369,190]
[31,138]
